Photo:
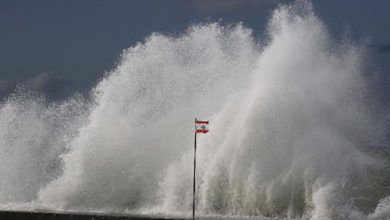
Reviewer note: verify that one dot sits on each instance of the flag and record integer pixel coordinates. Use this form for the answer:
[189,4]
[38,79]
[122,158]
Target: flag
[201,126]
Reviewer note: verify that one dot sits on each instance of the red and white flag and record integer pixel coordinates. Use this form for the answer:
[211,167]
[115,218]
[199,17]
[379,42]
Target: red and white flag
[201,126]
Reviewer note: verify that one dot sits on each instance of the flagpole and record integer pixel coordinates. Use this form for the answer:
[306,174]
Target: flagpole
[193,194]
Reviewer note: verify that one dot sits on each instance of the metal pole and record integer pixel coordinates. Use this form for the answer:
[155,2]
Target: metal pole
[193,195]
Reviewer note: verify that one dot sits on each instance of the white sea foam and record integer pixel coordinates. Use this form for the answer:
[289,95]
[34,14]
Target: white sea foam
[288,117]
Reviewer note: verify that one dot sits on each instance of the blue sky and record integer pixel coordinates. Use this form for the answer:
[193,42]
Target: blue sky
[65,46]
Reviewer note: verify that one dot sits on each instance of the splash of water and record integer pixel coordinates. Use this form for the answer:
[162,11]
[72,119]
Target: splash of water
[289,117]
[33,136]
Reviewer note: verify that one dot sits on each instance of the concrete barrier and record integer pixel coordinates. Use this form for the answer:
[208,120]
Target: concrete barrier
[21,215]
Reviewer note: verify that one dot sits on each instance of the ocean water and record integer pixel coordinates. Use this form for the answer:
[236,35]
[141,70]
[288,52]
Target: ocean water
[295,130]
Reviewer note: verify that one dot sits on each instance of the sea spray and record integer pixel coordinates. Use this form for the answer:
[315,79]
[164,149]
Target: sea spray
[290,133]
[33,135]
[291,145]
[140,123]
